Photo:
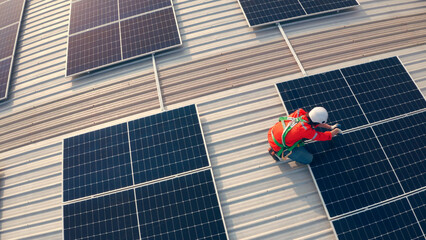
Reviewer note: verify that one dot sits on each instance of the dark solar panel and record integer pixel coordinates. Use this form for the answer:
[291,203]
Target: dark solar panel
[181,208]
[418,204]
[384,89]
[352,172]
[260,12]
[108,217]
[166,144]
[96,162]
[4,76]
[94,48]
[130,8]
[10,12]
[87,14]
[316,6]
[328,90]
[404,141]
[394,220]
[149,33]
[8,39]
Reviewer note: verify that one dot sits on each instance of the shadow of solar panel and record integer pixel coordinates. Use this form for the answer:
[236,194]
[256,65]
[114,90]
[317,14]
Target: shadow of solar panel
[181,208]
[10,12]
[130,8]
[108,217]
[96,162]
[317,6]
[8,40]
[87,14]
[394,220]
[94,48]
[260,12]
[4,77]
[149,33]
[418,204]
[352,172]
[328,90]
[384,89]
[404,141]
[166,144]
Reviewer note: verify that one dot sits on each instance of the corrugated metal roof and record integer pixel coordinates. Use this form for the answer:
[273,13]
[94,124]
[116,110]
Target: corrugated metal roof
[226,68]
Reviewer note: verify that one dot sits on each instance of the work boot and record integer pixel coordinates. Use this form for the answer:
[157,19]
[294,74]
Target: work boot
[273,154]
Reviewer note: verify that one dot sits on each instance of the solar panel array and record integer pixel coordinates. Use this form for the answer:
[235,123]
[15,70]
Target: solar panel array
[148,178]
[381,156]
[106,32]
[10,21]
[261,12]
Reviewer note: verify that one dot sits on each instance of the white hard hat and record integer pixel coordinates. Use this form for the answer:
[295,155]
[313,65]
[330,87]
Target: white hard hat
[318,115]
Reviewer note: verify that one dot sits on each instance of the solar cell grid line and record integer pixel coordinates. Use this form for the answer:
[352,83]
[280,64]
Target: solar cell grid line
[108,217]
[149,33]
[88,14]
[166,144]
[328,90]
[404,141]
[96,162]
[185,207]
[5,66]
[317,6]
[418,204]
[10,12]
[384,89]
[352,172]
[130,8]
[93,49]
[394,220]
[260,12]
[8,40]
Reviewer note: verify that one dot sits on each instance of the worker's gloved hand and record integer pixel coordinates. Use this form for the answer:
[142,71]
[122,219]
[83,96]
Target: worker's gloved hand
[337,125]
[335,132]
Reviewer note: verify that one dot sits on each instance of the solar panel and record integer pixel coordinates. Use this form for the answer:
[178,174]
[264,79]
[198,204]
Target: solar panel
[106,32]
[4,77]
[404,141]
[384,89]
[10,12]
[130,8]
[328,90]
[352,172]
[181,208]
[261,12]
[418,204]
[94,48]
[166,144]
[92,13]
[96,162]
[149,33]
[8,39]
[394,220]
[107,217]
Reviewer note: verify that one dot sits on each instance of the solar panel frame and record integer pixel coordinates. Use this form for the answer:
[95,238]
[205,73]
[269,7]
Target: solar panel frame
[292,18]
[14,50]
[122,60]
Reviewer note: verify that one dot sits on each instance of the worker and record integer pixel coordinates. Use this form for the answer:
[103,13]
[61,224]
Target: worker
[295,129]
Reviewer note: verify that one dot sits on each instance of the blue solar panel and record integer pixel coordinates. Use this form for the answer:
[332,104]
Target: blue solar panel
[317,6]
[166,144]
[96,162]
[418,204]
[384,89]
[394,220]
[352,172]
[108,217]
[4,76]
[181,208]
[10,12]
[404,141]
[328,90]
[88,14]
[8,40]
[129,8]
